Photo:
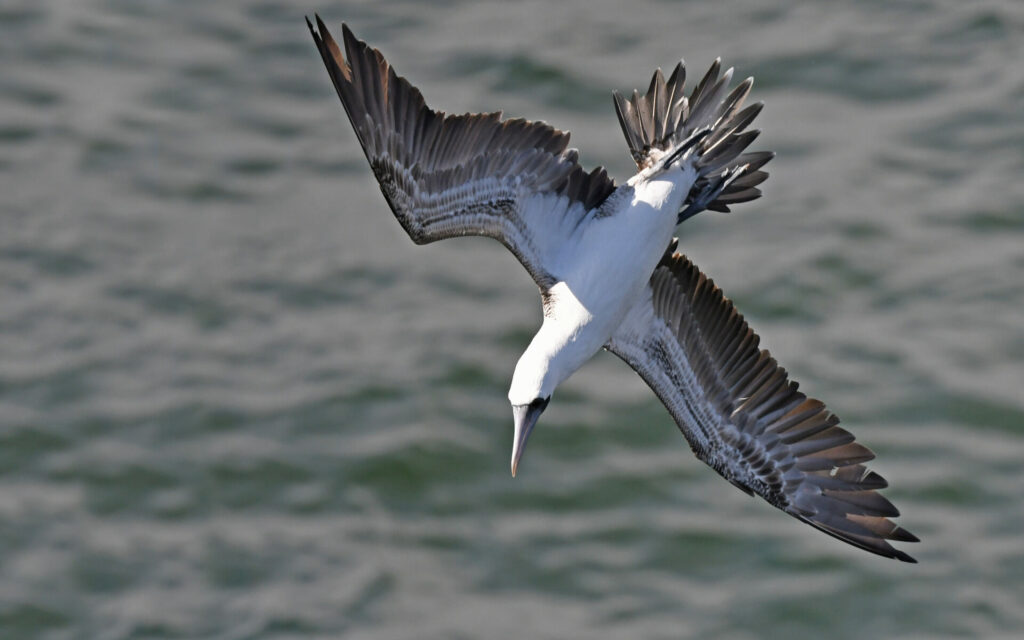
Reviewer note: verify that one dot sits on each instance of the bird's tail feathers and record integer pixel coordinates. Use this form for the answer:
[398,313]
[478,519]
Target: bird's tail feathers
[707,128]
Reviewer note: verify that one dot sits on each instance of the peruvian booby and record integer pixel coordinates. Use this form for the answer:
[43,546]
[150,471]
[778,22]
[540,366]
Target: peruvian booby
[603,256]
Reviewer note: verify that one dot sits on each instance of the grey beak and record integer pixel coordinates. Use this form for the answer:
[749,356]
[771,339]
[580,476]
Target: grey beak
[525,416]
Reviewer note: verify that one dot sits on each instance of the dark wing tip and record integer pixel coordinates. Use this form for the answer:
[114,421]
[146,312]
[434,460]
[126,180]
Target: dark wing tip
[321,27]
[903,557]
[350,37]
[870,543]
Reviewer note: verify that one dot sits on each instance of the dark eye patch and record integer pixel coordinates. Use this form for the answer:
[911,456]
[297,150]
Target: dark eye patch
[540,403]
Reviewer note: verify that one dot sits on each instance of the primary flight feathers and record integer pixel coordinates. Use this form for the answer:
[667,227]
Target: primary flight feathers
[518,182]
[744,417]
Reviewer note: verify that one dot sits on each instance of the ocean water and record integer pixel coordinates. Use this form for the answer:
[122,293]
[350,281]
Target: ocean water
[237,402]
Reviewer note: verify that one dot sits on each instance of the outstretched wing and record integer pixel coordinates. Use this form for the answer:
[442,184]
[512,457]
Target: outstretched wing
[457,175]
[743,416]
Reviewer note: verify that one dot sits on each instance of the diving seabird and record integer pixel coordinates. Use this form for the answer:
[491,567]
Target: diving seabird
[603,256]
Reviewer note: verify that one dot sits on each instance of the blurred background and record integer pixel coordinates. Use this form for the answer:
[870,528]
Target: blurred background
[237,402]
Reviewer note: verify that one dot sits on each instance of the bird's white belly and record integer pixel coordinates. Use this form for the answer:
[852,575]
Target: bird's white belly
[612,264]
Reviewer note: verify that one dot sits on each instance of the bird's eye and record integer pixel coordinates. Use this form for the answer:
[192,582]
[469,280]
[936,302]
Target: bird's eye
[540,403]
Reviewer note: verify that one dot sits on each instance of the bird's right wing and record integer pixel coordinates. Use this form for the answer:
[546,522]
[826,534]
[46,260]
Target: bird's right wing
[743,416]
[457,175]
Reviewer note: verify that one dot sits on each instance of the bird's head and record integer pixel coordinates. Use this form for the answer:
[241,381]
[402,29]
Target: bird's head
[533,383]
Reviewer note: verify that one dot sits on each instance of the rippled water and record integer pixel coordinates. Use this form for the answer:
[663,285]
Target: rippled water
[236,402]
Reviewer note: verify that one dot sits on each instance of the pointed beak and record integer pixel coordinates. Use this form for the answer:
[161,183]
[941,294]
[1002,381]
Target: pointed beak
[525,417]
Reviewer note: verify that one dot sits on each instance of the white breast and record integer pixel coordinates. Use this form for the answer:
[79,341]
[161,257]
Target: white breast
[600,275]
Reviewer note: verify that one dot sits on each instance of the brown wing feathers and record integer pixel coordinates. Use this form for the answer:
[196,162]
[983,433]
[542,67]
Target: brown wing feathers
[441,152]
[774,439]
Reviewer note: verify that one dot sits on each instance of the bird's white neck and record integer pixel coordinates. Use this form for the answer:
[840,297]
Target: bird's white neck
[561,346]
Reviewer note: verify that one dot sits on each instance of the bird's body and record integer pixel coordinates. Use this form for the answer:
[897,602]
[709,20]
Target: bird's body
[603,257]
[602,270]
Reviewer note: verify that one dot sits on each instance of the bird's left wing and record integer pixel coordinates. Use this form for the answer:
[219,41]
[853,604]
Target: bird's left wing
[743,416]
[456,175]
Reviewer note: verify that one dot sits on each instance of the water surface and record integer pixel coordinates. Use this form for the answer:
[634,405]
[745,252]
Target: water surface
[237,402]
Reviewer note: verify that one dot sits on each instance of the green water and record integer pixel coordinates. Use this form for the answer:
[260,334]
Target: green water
[237,402]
